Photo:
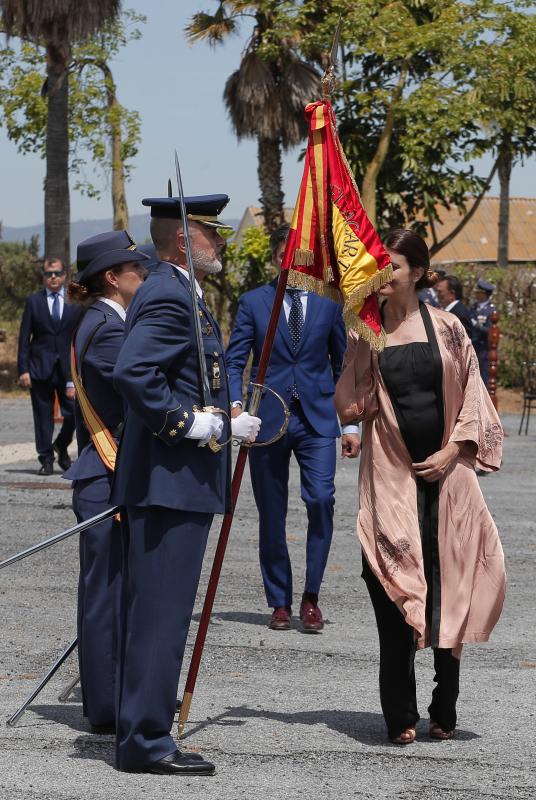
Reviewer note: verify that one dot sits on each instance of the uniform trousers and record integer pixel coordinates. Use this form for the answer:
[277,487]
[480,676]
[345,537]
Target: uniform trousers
[398,693]
[42,394]
[163,553]
[269,466]
[99,590]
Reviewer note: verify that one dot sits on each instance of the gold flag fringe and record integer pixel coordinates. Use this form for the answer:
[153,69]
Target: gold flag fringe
[304,258]
[353,320]
[328,275]
[372,285]
[300,280]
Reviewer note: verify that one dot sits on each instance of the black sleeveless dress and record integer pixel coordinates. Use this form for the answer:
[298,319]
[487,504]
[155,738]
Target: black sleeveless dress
[413,377]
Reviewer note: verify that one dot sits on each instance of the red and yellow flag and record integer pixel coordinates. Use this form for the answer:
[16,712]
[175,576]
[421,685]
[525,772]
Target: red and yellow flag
[333,249]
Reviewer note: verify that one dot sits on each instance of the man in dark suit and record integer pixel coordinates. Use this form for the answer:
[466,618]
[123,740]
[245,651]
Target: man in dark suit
[305,363]
[170,483]
[45,335]
[449,293]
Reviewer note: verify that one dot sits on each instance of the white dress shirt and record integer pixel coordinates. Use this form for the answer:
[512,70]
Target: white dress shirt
[451,305]
[116,307]
[186,274]
[50,299]
[287,303]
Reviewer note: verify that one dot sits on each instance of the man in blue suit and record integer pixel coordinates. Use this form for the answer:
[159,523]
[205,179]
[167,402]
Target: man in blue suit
[305,363]
[168,481]
[45,335]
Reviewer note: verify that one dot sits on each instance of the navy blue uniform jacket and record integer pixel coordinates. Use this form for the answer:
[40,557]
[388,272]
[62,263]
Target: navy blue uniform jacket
[42,344]
[314,368]
[98,340]
[157,374]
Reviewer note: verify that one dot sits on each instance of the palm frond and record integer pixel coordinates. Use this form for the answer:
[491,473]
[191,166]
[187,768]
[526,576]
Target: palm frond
[299,84]
[252,100]
[213,28]
[56,22]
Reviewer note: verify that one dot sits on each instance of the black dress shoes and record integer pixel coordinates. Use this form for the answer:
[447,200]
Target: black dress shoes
[64,459]
[181,764]
[47,468]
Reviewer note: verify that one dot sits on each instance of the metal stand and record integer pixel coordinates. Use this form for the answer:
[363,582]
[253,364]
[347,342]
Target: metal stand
[42,683]
[64,696]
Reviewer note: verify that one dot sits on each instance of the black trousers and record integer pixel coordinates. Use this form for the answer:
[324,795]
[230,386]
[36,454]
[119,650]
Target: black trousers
[42,394]
[398,692]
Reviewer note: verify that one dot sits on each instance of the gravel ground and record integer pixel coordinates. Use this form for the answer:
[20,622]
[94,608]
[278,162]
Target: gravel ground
[283,715]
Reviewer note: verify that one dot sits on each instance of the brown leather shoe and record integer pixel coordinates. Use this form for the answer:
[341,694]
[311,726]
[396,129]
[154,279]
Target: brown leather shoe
[311,617]
[280,619]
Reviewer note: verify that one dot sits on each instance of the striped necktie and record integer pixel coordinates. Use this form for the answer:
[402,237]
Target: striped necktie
[56,308]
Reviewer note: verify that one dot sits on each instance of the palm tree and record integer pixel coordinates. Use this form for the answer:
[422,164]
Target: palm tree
[56,26]
[265,97]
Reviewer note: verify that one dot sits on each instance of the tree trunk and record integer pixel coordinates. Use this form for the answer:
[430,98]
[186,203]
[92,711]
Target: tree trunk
[370,179]
[269,171]
[505,170]
[119,198]
[437,246]
[57,204]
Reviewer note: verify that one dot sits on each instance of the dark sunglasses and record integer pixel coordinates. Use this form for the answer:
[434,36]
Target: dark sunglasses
[56,273]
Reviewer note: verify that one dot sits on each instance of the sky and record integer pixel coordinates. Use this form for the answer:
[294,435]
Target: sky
[177,89]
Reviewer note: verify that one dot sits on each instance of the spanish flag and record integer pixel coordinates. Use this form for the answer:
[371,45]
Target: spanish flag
[333,249]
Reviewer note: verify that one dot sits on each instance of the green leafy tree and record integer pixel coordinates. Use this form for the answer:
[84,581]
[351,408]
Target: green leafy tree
[56,27]
[99,126]
[504,98]
[266,95]
[411,118]
[19,268]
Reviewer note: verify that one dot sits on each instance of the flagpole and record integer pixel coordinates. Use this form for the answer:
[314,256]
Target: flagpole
[228,518]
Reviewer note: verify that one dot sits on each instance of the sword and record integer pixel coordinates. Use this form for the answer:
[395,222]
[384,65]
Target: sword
[82,526]
[206,393]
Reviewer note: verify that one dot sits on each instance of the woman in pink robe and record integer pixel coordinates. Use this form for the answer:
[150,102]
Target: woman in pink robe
[432,558]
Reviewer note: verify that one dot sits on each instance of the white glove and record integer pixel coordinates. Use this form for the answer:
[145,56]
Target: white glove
[245,427]
[206,424]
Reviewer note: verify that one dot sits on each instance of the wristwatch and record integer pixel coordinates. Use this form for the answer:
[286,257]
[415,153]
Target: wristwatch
[236,404]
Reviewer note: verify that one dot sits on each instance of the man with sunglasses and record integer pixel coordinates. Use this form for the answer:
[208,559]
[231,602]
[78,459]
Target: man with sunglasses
[45,336]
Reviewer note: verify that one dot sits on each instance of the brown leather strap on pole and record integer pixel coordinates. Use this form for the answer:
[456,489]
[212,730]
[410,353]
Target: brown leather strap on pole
[228,518]
[494,335]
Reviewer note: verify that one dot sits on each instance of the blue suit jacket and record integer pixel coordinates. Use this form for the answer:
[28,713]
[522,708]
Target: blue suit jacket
[42,343]
[314,369]
[157,374]
[98,339]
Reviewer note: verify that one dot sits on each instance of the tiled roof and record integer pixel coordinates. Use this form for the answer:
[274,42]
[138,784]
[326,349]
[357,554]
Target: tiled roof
[477,241]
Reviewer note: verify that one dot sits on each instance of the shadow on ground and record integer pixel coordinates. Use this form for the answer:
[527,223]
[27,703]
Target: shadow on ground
[361,726]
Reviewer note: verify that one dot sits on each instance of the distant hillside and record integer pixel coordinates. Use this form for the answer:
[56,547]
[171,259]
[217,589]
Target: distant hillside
[81,229]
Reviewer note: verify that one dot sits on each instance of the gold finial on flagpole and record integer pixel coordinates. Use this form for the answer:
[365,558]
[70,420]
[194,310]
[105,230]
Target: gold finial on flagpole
[329,79]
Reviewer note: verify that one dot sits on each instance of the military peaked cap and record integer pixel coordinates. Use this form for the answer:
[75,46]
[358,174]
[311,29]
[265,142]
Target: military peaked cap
[203,209]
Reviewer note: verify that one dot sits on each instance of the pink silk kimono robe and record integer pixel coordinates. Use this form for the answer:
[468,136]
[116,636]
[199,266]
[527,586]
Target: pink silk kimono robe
[473,580]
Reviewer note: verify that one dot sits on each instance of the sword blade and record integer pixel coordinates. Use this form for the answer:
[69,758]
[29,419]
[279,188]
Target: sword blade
[203,371]
[82,526]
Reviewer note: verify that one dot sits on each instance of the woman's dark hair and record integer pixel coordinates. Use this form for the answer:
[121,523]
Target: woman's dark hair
[413,247]
[86,293]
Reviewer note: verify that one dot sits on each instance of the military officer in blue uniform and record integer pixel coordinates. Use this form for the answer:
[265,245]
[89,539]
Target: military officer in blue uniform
[109,273]
[481,312]
[168,481]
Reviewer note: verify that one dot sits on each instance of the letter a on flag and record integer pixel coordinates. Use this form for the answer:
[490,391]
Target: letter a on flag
[333,249]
